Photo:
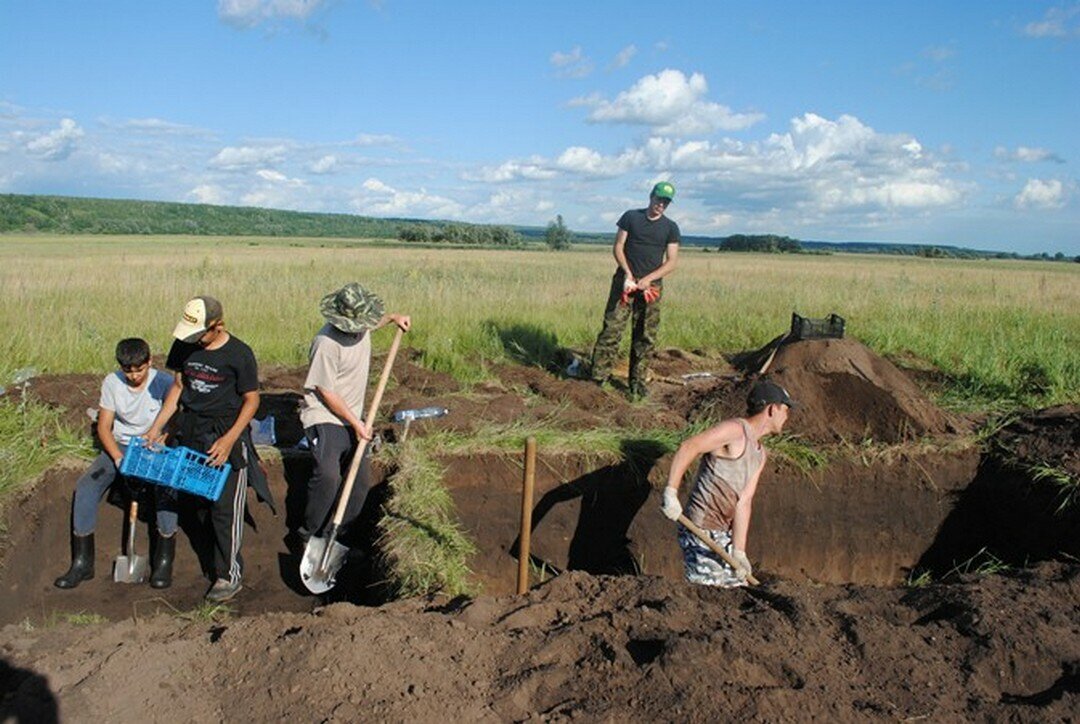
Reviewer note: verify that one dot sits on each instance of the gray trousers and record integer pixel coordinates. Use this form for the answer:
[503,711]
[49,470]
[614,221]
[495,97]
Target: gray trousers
[332,447]
[92,487]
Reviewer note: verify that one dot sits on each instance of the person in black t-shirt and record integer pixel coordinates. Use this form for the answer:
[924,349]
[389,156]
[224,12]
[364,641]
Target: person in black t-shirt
[217,394]
[646,250]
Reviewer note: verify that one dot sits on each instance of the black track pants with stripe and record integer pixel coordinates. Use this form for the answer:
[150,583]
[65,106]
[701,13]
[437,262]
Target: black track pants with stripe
[227,518]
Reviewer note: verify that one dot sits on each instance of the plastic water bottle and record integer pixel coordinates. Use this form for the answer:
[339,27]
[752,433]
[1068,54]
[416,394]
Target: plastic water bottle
[422,413]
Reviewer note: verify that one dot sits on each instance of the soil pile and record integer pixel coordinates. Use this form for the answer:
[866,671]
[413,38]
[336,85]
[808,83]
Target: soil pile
[845,392]
[582,647]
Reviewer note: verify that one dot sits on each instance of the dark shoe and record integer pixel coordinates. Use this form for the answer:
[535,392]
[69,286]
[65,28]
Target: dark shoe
[222,591]
[163,561]
[82,562]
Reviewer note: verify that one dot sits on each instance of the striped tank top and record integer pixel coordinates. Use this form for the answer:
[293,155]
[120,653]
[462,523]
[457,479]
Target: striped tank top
[720,483]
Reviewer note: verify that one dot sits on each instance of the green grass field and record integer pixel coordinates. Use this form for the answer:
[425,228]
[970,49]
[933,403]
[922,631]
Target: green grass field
[1001,330]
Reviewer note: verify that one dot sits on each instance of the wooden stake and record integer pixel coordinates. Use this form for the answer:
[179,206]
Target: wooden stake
[526,515]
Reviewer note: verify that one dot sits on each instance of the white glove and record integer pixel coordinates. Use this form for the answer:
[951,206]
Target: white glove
[629,285]
[744,570]
[671,506]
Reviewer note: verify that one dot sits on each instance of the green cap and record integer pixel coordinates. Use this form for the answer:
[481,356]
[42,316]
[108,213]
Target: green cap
[664,190]
[352,308]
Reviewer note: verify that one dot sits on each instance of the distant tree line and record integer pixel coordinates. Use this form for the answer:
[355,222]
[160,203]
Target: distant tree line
[766,243]
[72,215]
[458,233]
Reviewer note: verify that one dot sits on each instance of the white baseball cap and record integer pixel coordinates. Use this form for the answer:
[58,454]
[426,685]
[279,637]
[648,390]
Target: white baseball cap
[199,313]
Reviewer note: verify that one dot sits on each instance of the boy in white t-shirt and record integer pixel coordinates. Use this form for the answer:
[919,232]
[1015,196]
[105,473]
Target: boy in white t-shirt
[130,400]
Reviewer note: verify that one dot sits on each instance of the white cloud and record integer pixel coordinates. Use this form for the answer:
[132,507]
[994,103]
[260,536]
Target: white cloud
[534,168]
[624,56]
[249,13]
[326,164]
[819,167]
[1058,22]
[373,139]
[208,194]
[234,158]
[1025,154]
[671,104]
[574,64]
[58,144]
[1039,194]
[380,199]
[156,126]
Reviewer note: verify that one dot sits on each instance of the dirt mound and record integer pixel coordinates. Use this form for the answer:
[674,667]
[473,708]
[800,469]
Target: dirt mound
[845,392]
[582,647]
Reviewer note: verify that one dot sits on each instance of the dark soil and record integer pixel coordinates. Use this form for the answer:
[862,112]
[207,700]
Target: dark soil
[628,648]
[613,633]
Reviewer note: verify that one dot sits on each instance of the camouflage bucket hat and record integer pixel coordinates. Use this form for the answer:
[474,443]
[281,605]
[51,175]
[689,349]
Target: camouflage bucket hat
[352,308]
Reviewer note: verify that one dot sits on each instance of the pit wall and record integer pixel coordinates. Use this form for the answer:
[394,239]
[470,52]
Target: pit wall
[846,523]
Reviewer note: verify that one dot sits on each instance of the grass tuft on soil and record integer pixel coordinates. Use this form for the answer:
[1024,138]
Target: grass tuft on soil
[424,549]
[32,438]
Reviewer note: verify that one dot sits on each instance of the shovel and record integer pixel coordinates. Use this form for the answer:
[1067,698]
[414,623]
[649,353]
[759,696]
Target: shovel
[701,535]
[324,556]
[131,567]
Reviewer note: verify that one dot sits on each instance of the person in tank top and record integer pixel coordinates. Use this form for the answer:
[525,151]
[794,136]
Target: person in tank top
[732,458]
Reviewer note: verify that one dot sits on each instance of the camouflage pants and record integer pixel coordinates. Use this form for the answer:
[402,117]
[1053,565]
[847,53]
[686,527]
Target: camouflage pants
[645,323]
[704,567]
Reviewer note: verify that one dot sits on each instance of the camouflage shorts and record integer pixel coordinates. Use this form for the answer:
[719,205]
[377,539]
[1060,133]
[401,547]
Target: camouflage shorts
[704,567]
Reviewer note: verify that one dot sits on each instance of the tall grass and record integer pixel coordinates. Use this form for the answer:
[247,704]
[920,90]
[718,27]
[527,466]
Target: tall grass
[32,439]
[999,330]
[423,546]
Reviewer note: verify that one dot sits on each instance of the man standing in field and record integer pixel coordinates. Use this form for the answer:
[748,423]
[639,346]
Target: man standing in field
[732,460]
[646,250]
[334,398]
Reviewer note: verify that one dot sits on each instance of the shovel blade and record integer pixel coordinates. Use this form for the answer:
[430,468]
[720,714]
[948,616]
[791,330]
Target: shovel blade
[131,569]
[316,580]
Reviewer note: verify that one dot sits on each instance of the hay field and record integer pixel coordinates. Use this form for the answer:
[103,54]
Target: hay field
[1001,330]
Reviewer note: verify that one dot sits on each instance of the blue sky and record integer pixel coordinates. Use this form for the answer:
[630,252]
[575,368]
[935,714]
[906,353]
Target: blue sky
[917,122]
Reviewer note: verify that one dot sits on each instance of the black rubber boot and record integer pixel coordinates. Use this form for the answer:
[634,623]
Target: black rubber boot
[82,562]
[163,561]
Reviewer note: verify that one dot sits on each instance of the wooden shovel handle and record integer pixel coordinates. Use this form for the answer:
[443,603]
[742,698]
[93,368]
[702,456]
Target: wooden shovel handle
[704,538]
[354,466]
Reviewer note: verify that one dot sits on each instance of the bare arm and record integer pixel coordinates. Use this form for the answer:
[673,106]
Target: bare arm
[619,250]
[403,321]
[336,404]
[168,408]
[671,259]
[740,525]
[104,432]
[219,451]
[715,438]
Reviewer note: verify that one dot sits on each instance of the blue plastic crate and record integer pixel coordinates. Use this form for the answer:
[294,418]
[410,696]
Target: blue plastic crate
[175,467]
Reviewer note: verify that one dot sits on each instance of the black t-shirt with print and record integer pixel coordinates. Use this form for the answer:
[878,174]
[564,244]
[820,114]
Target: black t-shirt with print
[647,240]
[214,380]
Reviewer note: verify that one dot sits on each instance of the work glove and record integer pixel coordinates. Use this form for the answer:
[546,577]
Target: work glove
[651,294]
[744,570]
[671,506]
[629,288]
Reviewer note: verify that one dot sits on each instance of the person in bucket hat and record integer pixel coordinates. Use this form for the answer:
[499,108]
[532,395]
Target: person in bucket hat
[732,458]
[646,250]
[332,410]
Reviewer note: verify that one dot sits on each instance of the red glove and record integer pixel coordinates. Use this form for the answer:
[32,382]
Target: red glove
[625,298]
[652,294]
